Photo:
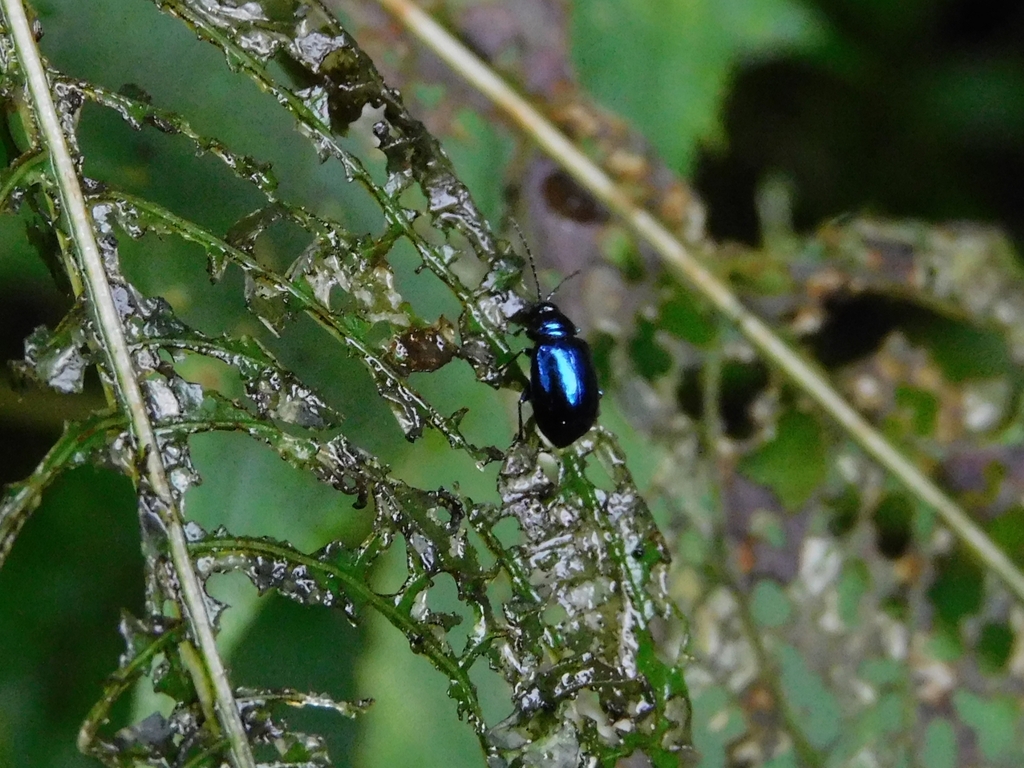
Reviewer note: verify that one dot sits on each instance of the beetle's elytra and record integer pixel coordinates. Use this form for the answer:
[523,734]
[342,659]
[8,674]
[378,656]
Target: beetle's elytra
[563,385]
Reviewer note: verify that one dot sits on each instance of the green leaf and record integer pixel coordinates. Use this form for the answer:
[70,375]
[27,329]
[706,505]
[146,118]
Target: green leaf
[794,463]
[667,64]
[994,722]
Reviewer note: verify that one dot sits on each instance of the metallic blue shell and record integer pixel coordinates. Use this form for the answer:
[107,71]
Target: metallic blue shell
[563,389]
[563,383]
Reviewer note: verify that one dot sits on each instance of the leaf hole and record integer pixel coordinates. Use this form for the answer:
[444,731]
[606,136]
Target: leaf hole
[741,384]
[893,525]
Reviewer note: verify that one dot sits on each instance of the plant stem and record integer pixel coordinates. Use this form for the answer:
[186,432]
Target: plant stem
[686,266]
[120,364]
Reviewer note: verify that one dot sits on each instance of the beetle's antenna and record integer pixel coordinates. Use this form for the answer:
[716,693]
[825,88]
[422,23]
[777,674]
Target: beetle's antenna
[562,282]
[529,253]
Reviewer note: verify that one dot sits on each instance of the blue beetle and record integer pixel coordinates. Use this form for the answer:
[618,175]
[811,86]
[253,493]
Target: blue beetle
[563,383]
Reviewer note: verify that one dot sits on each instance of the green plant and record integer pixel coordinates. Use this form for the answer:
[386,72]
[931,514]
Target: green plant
[573,617]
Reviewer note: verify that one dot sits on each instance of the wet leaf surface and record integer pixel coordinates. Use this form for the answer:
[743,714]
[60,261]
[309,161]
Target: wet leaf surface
[559,584]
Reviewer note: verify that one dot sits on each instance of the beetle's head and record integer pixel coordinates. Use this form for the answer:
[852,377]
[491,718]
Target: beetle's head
[544,321]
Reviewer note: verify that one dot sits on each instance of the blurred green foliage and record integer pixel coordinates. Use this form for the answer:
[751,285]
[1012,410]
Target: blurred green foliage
[668,65]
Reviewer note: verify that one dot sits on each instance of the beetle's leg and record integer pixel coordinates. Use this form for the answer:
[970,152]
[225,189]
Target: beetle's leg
[522,399]
[508,364]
